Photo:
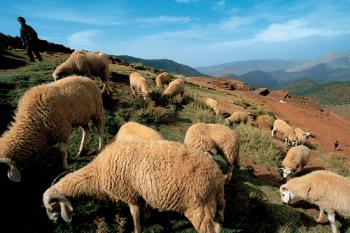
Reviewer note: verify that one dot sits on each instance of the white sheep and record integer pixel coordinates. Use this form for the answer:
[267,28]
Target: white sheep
[176,87]
[213,105]
[328,190]
[167,175]
[86,64]
[237,118]
[301,135]
[296,158]
[211,138]
[285,130]
[45,116]
[133,132]
[138,85]
[162,80]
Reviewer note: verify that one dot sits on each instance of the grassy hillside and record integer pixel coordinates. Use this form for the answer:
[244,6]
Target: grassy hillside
[252,202]
[163,64]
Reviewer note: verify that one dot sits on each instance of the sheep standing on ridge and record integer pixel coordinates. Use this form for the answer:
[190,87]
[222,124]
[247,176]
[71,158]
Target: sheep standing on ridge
[45,116]
[328,190]
[296,158]
[86,64]
[176,87]
[167,175]
[237,118]
[287,132]
[138,85]
[213,105]
[211,138]
[302,136]
[162,80]
[134,132]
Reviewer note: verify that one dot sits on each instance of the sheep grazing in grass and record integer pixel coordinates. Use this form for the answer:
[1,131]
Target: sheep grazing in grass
[328,190]
[285,130]
[296,158]
[237,118]
[138,85]
[167,175]
[86,64]
[301,135]
[162,80]
[213,105]
[134,132]
[211,138]
[176,87]
[45,116]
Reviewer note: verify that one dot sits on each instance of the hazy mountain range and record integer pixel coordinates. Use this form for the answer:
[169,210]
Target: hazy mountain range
[273,73]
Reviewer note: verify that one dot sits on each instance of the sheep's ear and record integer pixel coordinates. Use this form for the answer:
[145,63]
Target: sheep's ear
[66,211]
[283,188]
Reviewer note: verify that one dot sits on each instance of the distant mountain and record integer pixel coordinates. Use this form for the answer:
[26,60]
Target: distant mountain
[163,64]
[332,93]
[242,67]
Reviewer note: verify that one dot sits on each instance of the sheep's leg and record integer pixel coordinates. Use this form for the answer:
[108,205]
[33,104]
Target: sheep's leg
[64,150]
[135,213]
[133,91]
[321,216]
[84,139]
[331,218]
[202,220]
[100,124]
[273,133]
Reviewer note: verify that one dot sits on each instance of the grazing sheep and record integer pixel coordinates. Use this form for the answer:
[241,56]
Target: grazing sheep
[213,105]
[302,136]
[286,131]
[296,158]
[167,175]
[86,64]
[138,85]
[237,118]
[162,80]
[211,138]
[176,87]
[134,132]
[45,116]
[328,190]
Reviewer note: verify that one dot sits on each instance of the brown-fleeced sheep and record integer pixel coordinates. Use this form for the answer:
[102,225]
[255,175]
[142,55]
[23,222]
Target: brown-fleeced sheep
[167,175]
[211,138]
[237,118]
[86,64]
[213,105]
[134,132]
[285,130]
[296,158]
[138,85]
[45,116]
[328,190]
[301,135]
[162,80]
[176,87]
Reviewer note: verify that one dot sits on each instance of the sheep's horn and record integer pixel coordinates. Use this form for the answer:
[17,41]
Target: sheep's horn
[66,208]
[13,173]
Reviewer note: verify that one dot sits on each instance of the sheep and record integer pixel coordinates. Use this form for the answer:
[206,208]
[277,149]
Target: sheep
[176,87]
[138,85]
[162,80]
[133,132]
[212,137]
[87,64]
[286,131]
[167,175]
[328,190]
[213,105]
[45,116]
[302,136]
[296,158]
[237,118]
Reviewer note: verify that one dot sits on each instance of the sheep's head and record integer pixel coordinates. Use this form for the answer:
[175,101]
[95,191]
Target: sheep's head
[56,205]
[286,195]
[228,122]
[307,134]
[286,171]
[13,173]
[59,75]
[144,95]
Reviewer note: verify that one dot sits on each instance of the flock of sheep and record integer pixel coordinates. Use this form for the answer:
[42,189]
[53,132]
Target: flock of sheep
[139,165]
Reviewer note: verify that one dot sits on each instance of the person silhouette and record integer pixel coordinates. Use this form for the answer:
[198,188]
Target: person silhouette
[29,39]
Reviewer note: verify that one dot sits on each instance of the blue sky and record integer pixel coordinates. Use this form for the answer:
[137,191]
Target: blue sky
[192,32]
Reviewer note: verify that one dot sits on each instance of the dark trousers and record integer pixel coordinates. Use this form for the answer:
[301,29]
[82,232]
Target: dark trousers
[32,46]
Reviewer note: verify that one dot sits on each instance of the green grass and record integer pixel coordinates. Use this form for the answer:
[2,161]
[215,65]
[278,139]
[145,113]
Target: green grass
[337,163]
